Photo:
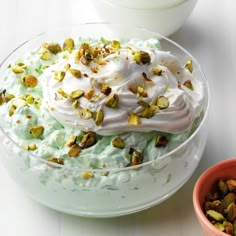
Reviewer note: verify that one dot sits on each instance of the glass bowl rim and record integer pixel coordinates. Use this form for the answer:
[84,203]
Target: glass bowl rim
[117,169]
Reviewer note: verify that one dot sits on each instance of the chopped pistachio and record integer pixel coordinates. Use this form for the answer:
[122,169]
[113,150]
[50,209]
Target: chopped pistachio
[115,44]
[87,175]
[136,157]
[143,103]
[29,81]
[85,113]
[59,75]
[62,93]
[71,141]
[11,110]
[30,99]
[8,97]
[86,59]
[118,142]
[105,41]
[215,215]
[142,57]
[112,101]
[45,55]
[56,160]
[189,66]
[134,119]
[36,131]
[54,48]
[18,70]
[32,147]
[162,102]
[88,140]
[67,67]
[89,94]
[75,104]
[105,89]
[188,84]
[74,150]
[148,112]
[75,73]
[161,141]
[141,92]
[76,94]
[99,117]
[68,44]
[157,70]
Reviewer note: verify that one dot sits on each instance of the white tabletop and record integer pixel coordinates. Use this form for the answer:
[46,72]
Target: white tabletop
[210,35]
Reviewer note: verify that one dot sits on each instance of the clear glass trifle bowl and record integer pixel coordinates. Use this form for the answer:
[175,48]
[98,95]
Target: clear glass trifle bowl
[104,179]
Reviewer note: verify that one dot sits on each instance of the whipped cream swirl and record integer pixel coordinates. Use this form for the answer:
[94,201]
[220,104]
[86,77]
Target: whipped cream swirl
[122,74]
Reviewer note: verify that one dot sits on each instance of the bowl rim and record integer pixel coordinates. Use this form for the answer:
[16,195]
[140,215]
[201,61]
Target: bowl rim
[160,37]
[197,189]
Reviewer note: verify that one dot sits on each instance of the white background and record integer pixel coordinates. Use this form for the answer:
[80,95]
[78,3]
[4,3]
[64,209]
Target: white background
[210,35]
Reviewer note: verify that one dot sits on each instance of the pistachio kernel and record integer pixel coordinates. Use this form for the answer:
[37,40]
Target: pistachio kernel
[231,211]
[215,215]
[136,157]
[157,70]
[75,104]
[222,186]
[115,44]
[18,70]
[189,66]
[162,102]
[30,99]
[105,89]
[75,73]
[29,81]
[68,44]
[8,97]
[99,117]
[11,110]
[89,94]
[76,94]
[105,41]
[62,93]
[112,101]
[88,140]
[32,147]
[141,92]
[71,141]
[231,183]
[56,160]
[85,113]
[118,142]
[86,59]
[161,141]
[59,75]
[141,57]
[134,119]
[149,112]
[54,48]
[36,131]
[45,55]
[228,199]
[143,103]
[74,150]
[188,84]
[67,66]
[87,175]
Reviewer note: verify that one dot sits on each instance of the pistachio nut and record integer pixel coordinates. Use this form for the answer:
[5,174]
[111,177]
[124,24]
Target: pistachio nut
[161,141]
[74,150]
[112,101]
[30,81]
[85,113]
[36,131]
[59,75]
[188,84]
[68,44]
[157,70]
[75,73]
[162,102]
[54,48]
[89,94]
[71,141]
[62,93]
[56,160]
[87,175]
[99,117]
[105,89]
[134,119]
[118,142]
[88,140]
[76,94]
[189,66]
[141,57]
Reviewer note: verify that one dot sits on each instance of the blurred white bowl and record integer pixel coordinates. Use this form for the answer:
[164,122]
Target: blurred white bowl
[162,16]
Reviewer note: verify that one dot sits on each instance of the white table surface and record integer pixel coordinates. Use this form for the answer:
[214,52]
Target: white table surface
[210,35]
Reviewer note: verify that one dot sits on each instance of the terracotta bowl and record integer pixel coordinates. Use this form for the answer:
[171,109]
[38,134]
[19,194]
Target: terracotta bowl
[222,170]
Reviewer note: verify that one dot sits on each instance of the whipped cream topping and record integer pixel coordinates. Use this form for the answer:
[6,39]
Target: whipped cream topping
[123,75]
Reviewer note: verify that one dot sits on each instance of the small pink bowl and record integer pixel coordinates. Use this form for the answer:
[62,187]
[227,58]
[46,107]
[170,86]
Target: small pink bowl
[222,170]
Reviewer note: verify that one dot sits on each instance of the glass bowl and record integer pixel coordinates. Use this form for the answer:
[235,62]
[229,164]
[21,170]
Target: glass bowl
[124,190]
[162,16]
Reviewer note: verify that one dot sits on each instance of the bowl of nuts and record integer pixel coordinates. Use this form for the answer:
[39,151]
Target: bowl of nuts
[99,120]
[214,199]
